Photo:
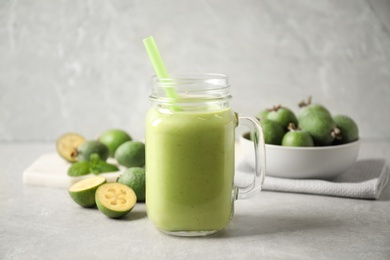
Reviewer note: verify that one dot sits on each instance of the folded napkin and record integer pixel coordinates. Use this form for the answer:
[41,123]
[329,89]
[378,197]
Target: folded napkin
[365,180]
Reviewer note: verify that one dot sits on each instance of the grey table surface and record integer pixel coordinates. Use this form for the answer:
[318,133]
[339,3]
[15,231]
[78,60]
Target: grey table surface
[44,223]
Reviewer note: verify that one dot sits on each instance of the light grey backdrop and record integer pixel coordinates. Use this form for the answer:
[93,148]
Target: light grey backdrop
[80,65]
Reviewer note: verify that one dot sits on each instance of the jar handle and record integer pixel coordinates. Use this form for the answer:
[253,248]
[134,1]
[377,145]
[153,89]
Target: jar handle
[259,147]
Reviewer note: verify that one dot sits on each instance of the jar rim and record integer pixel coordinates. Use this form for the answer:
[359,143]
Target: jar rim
[194,76]
[191,87]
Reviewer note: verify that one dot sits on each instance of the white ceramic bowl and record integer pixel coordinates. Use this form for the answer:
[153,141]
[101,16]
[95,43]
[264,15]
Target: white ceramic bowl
[323,162]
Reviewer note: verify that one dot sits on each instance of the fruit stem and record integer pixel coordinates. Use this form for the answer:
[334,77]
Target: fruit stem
[304,103]
[275,108]
[291,127]
[336,133]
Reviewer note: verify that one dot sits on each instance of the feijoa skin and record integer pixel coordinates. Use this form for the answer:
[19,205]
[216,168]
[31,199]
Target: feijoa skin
[297,138]
[88,148]
[273,132]
[131,154]
[83,192]
[134,177]
[311,109]
[349,131]
[113,138]
[318,122]
[263,114]
[283,116]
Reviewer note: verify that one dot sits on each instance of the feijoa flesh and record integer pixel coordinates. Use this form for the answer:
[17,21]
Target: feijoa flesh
[67,145]
[83,192]
[115,199]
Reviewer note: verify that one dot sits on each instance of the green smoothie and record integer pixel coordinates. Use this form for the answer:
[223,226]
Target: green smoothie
[189,169]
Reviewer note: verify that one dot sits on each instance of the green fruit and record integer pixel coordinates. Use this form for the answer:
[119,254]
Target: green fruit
[85,150]
[135,179]
[263,114]
[115,199]
[83,192]
[310,109]
[297,138]
[283,116]
[349,131]
[67,145]
[113,138]
[79,169]
[131,154]
[273,131]
[318,122]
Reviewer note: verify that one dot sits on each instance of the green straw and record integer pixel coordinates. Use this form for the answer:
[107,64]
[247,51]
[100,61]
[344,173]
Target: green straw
[158,64]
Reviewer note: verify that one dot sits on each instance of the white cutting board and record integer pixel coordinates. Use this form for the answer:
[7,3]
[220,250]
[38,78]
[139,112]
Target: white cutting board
[50,170]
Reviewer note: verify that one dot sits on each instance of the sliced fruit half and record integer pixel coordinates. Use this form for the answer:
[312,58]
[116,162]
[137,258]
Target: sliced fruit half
[115,199]
[67,144]
[83,192]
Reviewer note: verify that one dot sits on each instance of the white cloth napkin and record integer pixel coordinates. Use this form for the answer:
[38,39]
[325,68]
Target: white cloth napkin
[365,180]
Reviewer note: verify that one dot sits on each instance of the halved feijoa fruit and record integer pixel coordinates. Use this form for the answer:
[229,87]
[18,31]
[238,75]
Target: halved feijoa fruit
[83,192]
[67,145]
[115,199]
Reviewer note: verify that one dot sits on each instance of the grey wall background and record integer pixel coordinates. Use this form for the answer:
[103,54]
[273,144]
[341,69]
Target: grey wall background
[80,65]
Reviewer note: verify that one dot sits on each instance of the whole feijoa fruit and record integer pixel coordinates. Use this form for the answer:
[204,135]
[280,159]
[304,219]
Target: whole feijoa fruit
[131,154]
[311,109]
[317,120]
[282,115]
[297,137]
[85,150]
[134,177]
[262,114]
[113,138]
[349,131]
[273,131]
